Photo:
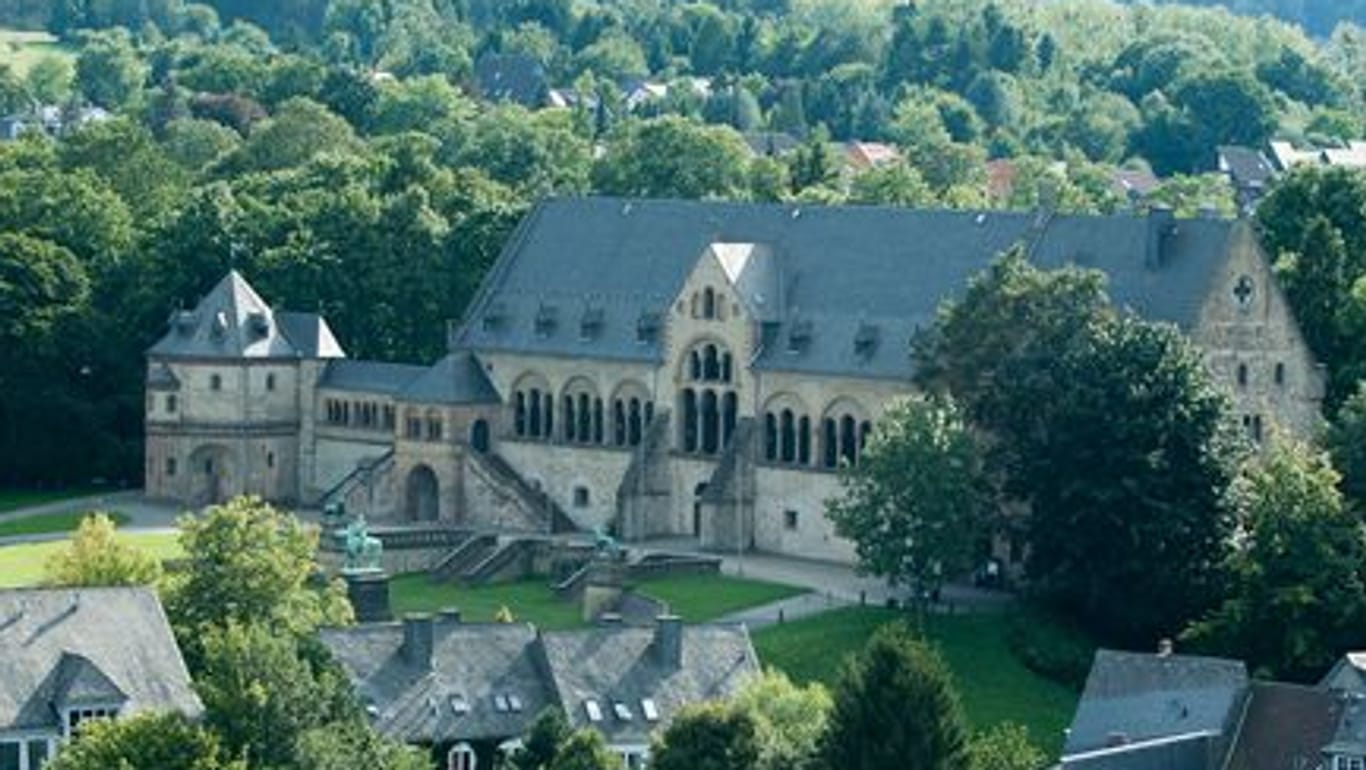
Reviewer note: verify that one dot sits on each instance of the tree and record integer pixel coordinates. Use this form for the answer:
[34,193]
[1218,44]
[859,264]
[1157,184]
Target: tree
[147,741]
[914,504]
[194,144]
[248,563]
[671,157]
[895,708]
[299,131]
[1004,747]
[585,750]
[41,285]
[14,95]
[1346,442]
[789,721]
[49,80]
[108,70]
[543,741]
[351,745]
[1297,596]
[262,695]
[96,557]
[1131,536]
[895,184]
[707,736]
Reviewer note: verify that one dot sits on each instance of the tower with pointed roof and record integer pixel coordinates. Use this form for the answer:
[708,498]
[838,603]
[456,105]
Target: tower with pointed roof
[228,389]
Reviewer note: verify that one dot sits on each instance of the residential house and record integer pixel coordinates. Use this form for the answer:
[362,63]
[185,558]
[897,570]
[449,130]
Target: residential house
[470,691]
[513,78]
[68,655]
[860,156]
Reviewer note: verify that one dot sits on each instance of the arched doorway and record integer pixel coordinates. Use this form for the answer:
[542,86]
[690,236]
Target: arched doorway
[479,436]
[697,493]
[421,494]
[211,474]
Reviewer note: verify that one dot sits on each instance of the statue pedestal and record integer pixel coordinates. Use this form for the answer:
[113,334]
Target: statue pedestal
[606,582]
[368,591]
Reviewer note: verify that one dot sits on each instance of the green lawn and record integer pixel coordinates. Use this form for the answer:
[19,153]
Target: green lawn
[51,522]
[995,686]
[700,598]
[22,565]
[22,49]
[11,499]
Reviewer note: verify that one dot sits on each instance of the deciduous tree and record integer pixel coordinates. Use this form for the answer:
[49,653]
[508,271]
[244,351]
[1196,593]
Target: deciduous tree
[147,741]
[96,557]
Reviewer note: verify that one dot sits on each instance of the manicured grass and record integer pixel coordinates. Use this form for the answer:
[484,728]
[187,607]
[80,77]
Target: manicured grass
[702,598]
[994,685]
[13,499]
[529,600]
[22,49]
[22,564]
[52,522]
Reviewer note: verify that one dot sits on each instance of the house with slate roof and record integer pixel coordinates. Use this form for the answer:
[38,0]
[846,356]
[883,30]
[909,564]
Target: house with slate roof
[470,691]
[670,368]
[68,655]
[1181,712]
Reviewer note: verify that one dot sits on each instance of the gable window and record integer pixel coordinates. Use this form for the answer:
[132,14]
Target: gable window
[580,497]
[708,303]
[170,404]
[461,757]
[1280,373]
[1242,375]
[1342,762]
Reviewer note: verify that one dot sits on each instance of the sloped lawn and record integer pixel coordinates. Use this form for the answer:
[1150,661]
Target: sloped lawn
[22,564]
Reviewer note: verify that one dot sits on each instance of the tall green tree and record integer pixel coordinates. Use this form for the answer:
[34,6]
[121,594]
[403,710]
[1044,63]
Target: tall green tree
[109,71]
[789,720]
[707,736]
[914,505]
[1297,594]
[543,741]
[896,708]
[1004,747]
[1346,442]
[585,749]
[672,157]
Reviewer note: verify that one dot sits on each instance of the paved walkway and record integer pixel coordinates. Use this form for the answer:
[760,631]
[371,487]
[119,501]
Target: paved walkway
[143,514]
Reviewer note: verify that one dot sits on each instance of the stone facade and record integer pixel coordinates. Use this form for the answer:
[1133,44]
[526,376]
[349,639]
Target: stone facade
[701,423]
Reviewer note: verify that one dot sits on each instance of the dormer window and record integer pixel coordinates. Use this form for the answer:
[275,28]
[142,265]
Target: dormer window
[865,340]
[545,320]
[259,325]
[799,336]
[647,328]
[219,328]
[590,324]
[494,316]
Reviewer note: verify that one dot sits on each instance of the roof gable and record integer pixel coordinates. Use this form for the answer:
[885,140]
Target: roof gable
[231,321]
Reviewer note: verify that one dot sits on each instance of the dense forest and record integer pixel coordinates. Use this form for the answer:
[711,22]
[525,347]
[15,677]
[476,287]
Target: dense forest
[341,153]
[1318,17]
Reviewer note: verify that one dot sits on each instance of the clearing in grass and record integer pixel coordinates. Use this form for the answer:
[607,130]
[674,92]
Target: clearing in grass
[705,597]
[21,49]
[995,686]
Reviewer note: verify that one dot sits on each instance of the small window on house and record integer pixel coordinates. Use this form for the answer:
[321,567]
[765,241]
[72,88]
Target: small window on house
[459,706]
[790,519]
[170,466]
[1242,375]
[515,704]
[461,757]
[270,459]
[580,497]
[593,709]
[171,404]
[500,704]
[270,382]
[215,382]
[1280,373]
[622,711]
[648,708]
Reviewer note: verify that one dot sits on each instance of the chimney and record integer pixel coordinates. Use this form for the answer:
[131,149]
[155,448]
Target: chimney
[1161,227]
[668,642]
[1165,648]
[450,615]
[417,640]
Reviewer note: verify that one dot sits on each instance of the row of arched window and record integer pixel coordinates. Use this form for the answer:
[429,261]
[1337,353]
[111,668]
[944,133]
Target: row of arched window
[365,415]
[584,418]
[789,438]
[707,419]
[710,363]
[418,426]
[708,304]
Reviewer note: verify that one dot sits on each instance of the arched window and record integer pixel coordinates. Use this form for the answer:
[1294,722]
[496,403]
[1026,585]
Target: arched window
[688,425]
[848,439]
[788,428]
[708,303]
[461,757]
[519,413]
[434,426]
[770,436]
[597,421]
[695,365]
[1280,375]
[533,426]
[533,407]
[804,440]
[585,430]
[695,303]
[711,422]
[634,426]
[829,443]
[711,364]
[725,367]
[548,418]
[716,407]
[1242,375]
[729,409]
[618,423]
[570,425]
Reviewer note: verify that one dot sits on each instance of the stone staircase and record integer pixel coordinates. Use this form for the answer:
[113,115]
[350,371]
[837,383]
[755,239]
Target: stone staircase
[534,502]
[356,488]
[464,557]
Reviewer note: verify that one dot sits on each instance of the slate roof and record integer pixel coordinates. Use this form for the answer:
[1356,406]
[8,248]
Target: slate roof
[1192,751]
[1248,168]
[82,645]
[1146,696]
[233,322]
[477,662]
[511,77]
[473,662]
[1350,735]
[620,664]
[1284,726]
[842,269]
[377,377]
[458,378]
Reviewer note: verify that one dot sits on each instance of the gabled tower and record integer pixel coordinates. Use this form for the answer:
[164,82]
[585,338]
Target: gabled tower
[228,390]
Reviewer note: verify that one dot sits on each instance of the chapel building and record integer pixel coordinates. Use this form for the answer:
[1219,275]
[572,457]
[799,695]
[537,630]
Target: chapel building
[670,368]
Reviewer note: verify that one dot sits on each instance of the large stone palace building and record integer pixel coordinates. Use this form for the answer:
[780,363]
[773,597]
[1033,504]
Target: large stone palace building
[668,368]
